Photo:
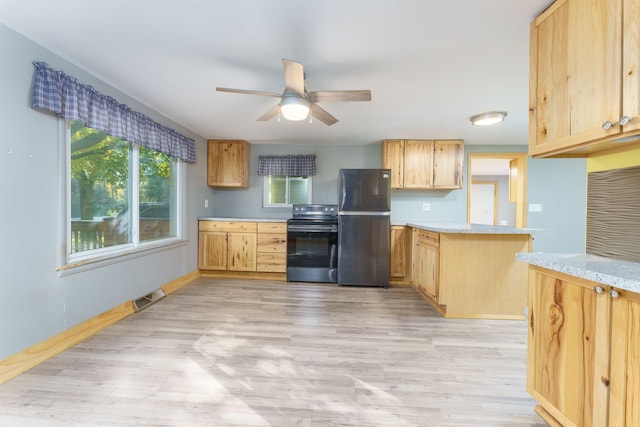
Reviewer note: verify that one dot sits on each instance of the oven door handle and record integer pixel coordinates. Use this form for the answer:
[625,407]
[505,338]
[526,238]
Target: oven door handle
[312,229]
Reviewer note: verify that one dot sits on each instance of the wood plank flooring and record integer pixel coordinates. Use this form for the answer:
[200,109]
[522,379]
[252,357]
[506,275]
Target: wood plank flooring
[258,353]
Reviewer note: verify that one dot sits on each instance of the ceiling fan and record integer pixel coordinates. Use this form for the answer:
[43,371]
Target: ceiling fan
[296,103]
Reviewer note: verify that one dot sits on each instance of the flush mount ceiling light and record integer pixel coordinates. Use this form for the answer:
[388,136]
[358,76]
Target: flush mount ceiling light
[488,118]
[294,107]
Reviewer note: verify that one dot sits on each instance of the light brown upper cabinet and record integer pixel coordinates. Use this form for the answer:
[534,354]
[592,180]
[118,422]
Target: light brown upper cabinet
[584,84]
[228,164]
[420,164]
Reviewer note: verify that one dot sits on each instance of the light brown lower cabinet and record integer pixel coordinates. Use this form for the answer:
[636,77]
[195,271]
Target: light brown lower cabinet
[584,351]
[242,246]
[272,247]
[227,245]
[425,263]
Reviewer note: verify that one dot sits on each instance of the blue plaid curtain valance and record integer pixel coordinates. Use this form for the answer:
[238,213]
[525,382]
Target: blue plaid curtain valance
[289,165]
[62,94]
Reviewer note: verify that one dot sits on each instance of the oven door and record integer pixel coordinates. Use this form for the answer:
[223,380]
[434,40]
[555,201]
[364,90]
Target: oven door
[312,251]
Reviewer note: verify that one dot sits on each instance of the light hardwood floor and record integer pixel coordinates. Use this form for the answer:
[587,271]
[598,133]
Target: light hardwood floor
[258,353]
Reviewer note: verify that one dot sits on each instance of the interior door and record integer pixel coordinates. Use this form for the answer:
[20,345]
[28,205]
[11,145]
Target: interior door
[484,203]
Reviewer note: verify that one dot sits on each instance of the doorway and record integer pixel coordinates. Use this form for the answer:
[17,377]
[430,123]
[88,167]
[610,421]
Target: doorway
[509,172]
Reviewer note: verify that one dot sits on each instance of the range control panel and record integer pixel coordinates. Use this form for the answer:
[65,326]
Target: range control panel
[315,211]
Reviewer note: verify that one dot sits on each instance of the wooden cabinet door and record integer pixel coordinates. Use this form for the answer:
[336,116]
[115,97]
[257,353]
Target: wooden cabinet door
[631,64]
[212,250]
[624,401]
[241,252]
[398,251]
[393,158]
[430,283]
[228,164]
[575,72]
[448,159]
[418,164]
[568,351]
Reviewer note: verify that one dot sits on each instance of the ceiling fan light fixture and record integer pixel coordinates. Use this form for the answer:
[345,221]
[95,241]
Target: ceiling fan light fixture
[488,118]
[294,107]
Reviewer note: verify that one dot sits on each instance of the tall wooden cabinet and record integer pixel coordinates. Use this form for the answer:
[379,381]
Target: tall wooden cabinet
[228,164]
[584,351]
[424,164]
[584,76]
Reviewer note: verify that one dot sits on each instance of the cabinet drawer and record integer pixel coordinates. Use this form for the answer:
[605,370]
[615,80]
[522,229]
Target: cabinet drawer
[429,237]
[276,263]
[272,243]
[228,226]
[272,227]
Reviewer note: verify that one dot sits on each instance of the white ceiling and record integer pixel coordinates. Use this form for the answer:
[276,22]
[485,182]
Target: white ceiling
[429,64]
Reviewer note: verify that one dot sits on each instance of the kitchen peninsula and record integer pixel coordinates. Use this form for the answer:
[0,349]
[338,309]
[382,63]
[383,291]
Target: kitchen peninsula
[469,270]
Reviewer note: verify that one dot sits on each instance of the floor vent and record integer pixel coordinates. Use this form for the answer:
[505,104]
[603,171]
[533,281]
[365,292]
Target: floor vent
[147,300]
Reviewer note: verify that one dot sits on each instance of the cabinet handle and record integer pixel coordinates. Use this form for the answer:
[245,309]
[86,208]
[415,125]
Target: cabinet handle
[613,293]
[598,290]
[623,121]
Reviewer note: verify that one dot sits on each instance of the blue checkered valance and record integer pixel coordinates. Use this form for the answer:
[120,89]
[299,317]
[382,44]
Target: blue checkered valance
[62,94]
[289,165]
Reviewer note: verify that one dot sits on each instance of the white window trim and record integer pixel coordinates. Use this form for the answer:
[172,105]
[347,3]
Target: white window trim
[265,193]
[105,256]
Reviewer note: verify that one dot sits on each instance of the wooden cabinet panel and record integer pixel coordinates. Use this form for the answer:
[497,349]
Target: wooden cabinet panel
[241,251]
[418,164]
[448,160]
[272,262]
[212,250]
[272,227]
[624,404]
[393,158]
[228,164]
[399,242]
[272,242]
[426,263]
[584,74]
[228,226]
[564,330]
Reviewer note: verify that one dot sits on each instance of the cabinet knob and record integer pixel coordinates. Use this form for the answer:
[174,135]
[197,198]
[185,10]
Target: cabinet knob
[607,125]
[613,293]
[598,290]
[623,120]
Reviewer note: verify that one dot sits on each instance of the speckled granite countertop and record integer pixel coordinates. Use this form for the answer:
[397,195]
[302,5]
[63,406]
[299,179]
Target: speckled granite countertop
[454,227]
[211,218]
[621,274]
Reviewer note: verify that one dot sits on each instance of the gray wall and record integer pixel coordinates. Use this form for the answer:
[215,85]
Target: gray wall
[558,184]
[37,301]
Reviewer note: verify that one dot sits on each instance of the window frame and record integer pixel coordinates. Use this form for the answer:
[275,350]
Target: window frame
[73,260]
[266,187]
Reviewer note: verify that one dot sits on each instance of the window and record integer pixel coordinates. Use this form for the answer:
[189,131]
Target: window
[120,195]
[282,191]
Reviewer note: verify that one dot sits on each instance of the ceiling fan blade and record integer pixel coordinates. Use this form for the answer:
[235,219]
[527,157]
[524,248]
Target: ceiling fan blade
[249,92]
[270,114]
[340,96]
[322,115]
[293,76]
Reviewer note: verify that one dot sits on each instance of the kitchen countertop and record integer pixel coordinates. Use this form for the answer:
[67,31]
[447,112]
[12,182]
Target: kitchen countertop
[211,218]
[620,274]
[464,228]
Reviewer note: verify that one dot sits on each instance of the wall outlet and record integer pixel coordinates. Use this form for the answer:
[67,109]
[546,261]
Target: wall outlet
[426,206]
[535,207]
[206,203]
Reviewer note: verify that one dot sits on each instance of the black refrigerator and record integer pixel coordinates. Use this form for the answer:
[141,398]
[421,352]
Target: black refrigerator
[364,227]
